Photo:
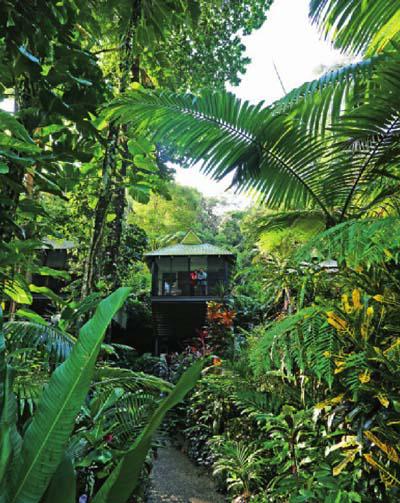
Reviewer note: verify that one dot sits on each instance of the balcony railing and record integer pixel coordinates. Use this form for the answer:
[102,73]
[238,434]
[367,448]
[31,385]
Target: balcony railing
[181,285]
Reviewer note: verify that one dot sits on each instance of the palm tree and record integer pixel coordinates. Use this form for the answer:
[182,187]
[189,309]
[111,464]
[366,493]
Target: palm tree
[332,144]
[242,465]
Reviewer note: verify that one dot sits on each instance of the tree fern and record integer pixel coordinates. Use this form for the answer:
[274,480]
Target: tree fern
[363,243]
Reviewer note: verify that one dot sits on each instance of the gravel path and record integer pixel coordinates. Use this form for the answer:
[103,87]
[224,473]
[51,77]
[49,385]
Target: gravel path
[175,479]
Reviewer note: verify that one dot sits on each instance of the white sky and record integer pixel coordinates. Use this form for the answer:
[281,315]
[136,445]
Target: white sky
[287,39]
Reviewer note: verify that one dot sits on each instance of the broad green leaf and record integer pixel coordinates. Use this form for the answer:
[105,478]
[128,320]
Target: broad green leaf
[12,143]
[18,290]
[145,162]
[140,146]
[48,433]
[4,169]
[10,441]
[47,292]
[62,488]
[5,443]
[54,273]
[8,121]
[31,315]
[51,129]
[124,478]
[140,193]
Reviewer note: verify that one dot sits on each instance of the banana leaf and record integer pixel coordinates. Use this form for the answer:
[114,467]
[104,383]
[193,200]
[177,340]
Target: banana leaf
[62,487]
[10,440]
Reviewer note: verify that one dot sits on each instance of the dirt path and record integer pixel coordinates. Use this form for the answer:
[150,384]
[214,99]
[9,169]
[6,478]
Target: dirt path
[174,479]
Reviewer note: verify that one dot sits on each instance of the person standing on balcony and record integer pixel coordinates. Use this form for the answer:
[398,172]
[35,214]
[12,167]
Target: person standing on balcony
[193,281]
[202,279]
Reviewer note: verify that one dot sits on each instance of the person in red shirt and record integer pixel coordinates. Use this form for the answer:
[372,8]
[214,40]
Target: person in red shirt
[193,281]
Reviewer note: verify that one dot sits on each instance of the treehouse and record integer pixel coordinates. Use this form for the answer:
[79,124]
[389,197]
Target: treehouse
[185,277]
[53,254]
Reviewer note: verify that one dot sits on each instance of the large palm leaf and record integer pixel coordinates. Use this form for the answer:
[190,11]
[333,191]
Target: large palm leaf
[277,151]
[321,103]
[26,334]
[263,150]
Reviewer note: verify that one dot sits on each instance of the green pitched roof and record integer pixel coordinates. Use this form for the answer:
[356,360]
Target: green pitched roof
[189,246]
[191,238]
[180,249]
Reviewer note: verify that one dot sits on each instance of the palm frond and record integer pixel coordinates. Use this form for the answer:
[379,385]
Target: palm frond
[358,25]
[56,343]
[321,102]
[106,377]
[130,414]
[285,154]
[263,151]
[355,243]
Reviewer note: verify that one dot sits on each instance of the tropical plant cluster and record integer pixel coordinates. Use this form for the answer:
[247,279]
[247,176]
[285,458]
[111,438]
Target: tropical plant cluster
[77,413]
[321,357]
[297,367]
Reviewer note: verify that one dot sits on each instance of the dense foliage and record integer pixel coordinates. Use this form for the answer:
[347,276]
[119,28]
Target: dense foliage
[76,420]
[325,158]
[297,362]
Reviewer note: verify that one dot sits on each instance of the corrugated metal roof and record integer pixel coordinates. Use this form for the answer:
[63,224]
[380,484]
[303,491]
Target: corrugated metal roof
[58,244]
[187,250]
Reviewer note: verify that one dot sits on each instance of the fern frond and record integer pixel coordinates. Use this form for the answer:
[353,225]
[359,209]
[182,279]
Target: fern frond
[276,342]
[56,343]
[321,343]
[357,243]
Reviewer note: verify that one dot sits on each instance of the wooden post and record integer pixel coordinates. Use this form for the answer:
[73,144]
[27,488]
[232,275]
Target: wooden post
[191,290]
[154,277]
[226,272]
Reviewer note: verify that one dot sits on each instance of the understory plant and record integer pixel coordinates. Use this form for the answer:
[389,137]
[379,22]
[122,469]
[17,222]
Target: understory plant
[241,464]
[42,455]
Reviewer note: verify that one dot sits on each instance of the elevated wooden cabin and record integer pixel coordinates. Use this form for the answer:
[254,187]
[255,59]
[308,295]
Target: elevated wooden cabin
[185,277]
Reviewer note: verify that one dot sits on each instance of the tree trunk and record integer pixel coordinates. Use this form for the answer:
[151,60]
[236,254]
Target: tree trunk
[108,193]
[109,166]
[118,203]
[9,193]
